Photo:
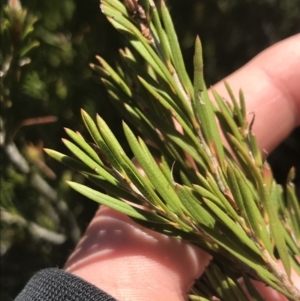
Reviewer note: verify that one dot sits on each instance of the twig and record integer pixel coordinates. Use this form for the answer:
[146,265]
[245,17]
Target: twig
[288,286]
[34,229]
[38,183]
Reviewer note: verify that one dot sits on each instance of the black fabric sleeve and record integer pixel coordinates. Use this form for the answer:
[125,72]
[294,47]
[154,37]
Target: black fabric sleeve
[58,285]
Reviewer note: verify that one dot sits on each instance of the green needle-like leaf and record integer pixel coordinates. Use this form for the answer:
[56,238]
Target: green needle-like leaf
[117,6]
[200,215]
[82,167]
[115,204]
[82,155]
[237,110]
[253,214]
[227,116]
[68,161]
[115,76]
[203,108]
[103,147]
[229,223]
[294,211]
[164,43]
[86,147]
[176,52]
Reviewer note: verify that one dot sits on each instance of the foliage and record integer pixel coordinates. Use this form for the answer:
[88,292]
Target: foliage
[45,77]
[223,199]
[39,78]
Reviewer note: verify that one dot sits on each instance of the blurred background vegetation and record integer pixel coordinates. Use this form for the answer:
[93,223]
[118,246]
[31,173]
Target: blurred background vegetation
[46,48]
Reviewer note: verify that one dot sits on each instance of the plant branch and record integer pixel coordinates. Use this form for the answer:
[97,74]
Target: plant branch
[40,185]
[34,229]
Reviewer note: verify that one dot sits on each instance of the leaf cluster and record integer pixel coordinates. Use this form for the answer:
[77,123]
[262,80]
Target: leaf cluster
[29,206]
[194,186]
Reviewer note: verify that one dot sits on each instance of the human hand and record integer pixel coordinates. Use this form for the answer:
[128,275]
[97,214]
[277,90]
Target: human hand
[133,263]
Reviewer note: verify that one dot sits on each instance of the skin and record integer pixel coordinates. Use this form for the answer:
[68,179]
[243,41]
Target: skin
[134,263]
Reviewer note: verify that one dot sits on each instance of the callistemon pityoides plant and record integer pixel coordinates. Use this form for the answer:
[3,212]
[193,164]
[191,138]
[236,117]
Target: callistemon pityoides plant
[219,195]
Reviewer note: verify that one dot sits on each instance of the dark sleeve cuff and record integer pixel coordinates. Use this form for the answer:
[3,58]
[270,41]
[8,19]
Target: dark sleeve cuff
[58,285]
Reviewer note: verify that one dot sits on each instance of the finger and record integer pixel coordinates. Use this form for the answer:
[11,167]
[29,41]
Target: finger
[273,94]
[134,263]
[270,294]
[142,265]
[271,85]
